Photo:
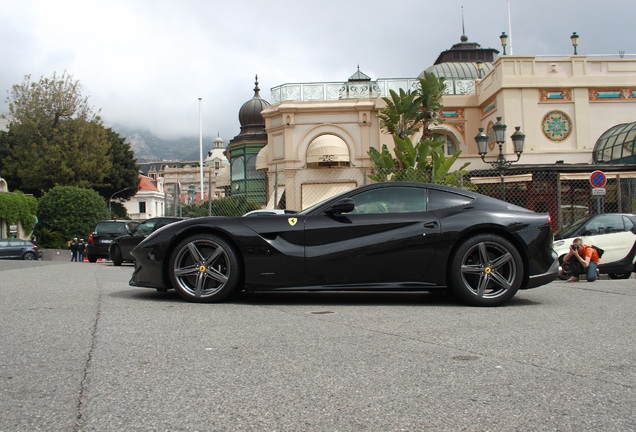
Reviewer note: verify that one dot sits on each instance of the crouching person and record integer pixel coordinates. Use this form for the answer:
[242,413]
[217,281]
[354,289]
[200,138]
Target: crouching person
[583,259]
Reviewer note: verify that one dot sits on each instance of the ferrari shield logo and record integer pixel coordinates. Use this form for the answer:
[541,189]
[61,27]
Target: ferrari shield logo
[292,221]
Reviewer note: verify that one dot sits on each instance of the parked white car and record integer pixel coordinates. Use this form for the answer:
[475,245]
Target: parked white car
[612,232]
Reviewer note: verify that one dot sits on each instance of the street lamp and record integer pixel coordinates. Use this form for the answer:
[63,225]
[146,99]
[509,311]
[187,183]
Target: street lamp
[575,41]
[111,199]
[518,140]
[504,41]
[480,68]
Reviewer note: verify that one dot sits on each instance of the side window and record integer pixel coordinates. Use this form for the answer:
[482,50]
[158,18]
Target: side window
[393,200]
[604,224]
[145,227]
[441,199]
[628,223]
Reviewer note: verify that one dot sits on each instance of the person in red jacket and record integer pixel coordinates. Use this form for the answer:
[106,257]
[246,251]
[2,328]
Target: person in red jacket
[585,260]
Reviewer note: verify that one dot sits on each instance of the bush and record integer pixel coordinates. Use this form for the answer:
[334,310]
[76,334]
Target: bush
[70,211]
[17,207]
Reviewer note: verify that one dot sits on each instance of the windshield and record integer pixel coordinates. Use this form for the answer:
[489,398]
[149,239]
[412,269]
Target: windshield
[568,230]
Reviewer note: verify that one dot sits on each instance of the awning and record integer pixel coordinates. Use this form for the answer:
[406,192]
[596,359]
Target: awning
[328,148]
[261,159]
[507,179]
[280,190]
[223,177]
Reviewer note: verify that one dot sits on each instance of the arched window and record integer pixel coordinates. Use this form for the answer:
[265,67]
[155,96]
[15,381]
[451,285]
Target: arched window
[450,145]
[252,173]
[238,169]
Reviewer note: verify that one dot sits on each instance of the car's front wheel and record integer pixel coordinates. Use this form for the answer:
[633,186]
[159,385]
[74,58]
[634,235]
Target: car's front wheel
[204,268]
[565,272]
[116,257]
[486,270]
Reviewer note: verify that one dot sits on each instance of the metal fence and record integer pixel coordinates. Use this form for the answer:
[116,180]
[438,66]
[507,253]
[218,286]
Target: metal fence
[567,196]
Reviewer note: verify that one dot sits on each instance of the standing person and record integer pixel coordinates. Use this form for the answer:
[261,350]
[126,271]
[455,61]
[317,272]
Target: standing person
[586,260]
[81,247]
[74,249]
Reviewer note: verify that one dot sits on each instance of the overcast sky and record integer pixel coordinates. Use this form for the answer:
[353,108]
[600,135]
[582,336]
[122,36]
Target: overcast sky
[145,63]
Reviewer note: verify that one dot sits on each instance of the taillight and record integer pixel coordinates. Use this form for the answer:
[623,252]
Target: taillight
[90,238]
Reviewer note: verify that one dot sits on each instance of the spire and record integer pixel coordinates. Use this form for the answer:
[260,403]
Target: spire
[464,38]
[256,89]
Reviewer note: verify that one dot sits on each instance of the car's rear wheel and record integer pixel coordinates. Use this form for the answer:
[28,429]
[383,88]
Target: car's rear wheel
[92,259]
[204,268]
[29,256]
[116,256]
[486,270]
[625,275]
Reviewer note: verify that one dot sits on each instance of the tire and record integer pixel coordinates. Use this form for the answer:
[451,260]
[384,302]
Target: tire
[116,257]
[204,268]
[92,259]
[29,256]
[565,269]
[625,275]
[486,270]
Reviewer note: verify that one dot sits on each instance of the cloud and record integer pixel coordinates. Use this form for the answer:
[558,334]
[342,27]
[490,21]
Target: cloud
[145,63]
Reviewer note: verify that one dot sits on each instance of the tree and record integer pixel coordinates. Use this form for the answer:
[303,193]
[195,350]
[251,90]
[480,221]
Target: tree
[70,211]
[405,114]
[54,137]
[124,172]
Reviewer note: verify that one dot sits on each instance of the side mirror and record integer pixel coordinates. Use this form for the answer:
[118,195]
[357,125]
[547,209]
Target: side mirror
[633,230]
[586,233]
[345,205]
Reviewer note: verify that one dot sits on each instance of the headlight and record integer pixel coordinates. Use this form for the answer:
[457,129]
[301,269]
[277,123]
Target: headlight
[559,243]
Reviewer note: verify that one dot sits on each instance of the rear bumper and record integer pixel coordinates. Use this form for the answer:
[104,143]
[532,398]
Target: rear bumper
[544,278]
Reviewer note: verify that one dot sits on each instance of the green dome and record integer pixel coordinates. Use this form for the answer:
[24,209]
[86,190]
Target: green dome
[459,70]
[616,145]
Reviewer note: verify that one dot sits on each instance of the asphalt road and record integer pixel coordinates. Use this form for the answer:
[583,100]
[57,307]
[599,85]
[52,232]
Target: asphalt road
[80,350]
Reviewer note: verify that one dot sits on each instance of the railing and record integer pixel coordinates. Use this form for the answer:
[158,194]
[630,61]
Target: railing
[331,91]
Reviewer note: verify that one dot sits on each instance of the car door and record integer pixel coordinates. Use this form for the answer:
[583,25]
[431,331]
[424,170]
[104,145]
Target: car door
[275,256]
[611,233]
[5,251]
[389,237]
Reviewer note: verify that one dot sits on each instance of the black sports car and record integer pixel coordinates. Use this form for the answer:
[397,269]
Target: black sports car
[119,250]
[383,236]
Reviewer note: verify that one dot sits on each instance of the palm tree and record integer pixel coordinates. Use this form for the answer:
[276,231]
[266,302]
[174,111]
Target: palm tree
[405,114]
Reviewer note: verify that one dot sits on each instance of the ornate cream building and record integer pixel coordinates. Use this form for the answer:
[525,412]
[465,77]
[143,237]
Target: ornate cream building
[319,134]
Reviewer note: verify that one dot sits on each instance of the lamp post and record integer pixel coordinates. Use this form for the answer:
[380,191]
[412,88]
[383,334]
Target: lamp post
[200,150]
[518,139]
[504,41]
[110,210]
[575,42]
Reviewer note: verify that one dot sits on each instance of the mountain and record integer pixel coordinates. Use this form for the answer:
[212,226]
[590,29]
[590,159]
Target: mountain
[150,148]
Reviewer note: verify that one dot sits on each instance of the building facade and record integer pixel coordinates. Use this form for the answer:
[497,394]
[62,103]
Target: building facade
[319,134]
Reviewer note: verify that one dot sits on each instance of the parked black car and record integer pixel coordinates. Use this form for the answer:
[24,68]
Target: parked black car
[380,237]
[103,235]
[120,248]
[19,249]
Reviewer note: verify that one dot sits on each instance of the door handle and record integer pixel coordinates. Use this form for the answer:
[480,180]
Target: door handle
[430,225]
